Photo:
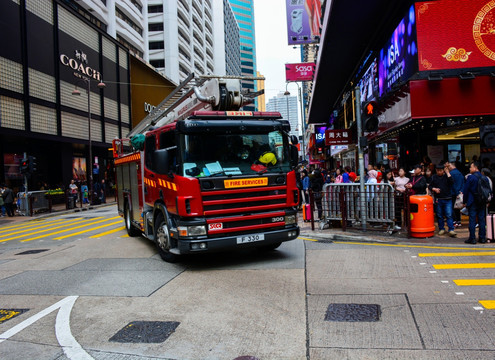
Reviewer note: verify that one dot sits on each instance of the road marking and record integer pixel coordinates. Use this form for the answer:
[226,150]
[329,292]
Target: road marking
[88,230]
[488,304]
[464,266]
[108,232]
[410,246]
[307,239]
[433,272]
[71,347]
[67,222]
[77,227]
[474,282]
[31,223]
[452,254]
[126,235]
[445,281]
[478,308]
[459,293]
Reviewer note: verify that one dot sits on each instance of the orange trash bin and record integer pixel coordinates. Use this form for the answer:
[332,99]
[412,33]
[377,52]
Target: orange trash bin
[422,216]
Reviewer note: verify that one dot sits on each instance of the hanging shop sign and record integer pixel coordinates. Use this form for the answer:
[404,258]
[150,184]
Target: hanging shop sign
[398,59]
[303,21]
[455,34]
[79,63]
[337,137]
[299,71]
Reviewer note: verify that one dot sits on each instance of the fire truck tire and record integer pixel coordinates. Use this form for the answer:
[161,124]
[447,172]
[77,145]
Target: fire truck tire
[270,247]
[163,241]
[131,230]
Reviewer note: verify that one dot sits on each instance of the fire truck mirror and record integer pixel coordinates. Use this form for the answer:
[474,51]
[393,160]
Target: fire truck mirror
[294,140]
[160,161]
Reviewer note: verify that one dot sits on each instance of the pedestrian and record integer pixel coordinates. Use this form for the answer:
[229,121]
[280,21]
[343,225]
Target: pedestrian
[305,185]
[372,174]
[346,176]
[338,177]
[456,191]
[103,189]
[399,199]
[317,188]
[476,208]
[441,187]
[73,190]
[8,199]
[2,203]
[417,184]
[85,193]
[486,172]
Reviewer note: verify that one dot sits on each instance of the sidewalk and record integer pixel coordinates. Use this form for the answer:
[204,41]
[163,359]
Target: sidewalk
[381,235]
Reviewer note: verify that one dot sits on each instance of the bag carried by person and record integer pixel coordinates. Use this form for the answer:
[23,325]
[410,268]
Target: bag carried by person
[459,202]
[483,194]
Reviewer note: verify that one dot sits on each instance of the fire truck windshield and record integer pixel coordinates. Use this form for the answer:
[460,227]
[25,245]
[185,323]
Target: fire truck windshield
[216,154]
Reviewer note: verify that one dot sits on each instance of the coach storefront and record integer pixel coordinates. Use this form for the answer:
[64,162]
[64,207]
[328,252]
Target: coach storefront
[50,52]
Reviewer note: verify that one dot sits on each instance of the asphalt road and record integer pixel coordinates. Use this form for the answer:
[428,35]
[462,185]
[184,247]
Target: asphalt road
[84,290]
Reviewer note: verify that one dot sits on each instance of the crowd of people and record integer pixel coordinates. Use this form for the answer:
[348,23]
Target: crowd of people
[454,191]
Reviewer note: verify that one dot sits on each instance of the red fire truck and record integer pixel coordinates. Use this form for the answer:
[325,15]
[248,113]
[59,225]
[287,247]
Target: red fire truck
[197,175]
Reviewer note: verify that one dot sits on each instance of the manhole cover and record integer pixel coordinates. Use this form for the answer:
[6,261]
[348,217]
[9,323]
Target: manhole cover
[32,252]
[145,332]
[353,312]
[7,314]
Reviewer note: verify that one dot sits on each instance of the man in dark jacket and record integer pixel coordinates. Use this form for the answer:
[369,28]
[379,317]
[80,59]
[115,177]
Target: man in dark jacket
[8,199]
[417,185]
[477,211]
[441,187]
[456,190]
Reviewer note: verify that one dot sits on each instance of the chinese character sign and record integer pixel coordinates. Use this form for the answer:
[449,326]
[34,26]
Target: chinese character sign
[337,137]
[299,71]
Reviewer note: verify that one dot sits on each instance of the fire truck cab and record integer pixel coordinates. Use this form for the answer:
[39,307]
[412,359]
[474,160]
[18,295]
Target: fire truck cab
[210,180]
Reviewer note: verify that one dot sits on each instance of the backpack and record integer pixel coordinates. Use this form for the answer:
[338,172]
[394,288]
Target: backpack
[483,194]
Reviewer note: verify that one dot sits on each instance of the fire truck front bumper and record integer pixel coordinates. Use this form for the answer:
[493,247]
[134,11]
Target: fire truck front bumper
[263,239]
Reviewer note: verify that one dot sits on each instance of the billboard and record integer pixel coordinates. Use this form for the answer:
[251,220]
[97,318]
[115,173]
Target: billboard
[398,59]
[303,21]
[369,83]
[299,71]
[456,34]
[320,136]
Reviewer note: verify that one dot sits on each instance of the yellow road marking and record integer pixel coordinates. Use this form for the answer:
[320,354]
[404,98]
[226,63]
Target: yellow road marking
[126,235]
[486,253]
[41,227]
[410,246]
[474,282]
[307,239]
[31,223]
[108,232]
[88,230]
[77,227]
[465,266]
[488,304]
[69,223]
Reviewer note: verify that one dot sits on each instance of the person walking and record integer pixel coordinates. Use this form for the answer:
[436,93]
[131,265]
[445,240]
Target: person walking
[85,193]
[456,191]
[476,208]
[441,187]
[103,189]
[305,185]
[8,199]
[317,188]
[2,204]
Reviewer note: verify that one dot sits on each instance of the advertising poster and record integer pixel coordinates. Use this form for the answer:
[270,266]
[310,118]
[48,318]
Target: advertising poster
[398,59]
[299,71]
[455,34]
[303,21]
[369,83]
[320,136]
[79,168]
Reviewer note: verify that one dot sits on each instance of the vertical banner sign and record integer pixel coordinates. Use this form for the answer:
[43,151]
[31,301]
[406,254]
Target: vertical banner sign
[299,72]
[303,21]
[320,136]
[456,34]
[398,59]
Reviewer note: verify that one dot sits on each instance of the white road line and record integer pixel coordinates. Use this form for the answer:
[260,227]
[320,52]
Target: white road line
[71,347]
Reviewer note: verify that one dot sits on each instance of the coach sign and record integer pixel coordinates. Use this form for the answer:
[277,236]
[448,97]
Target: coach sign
[79,63]
[299,71]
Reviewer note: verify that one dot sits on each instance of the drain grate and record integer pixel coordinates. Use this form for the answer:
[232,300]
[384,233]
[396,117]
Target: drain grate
[7,314]
[28,252]
[353,312]
[145,332]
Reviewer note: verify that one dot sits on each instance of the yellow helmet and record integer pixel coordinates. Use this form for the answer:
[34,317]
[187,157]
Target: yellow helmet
[268,157]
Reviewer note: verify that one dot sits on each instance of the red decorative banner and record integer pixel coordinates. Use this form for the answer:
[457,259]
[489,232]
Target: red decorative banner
[337,137]
[299,71]
[455,34]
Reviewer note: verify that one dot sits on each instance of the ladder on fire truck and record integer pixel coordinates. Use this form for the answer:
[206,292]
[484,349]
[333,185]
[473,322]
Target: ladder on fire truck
[220,92]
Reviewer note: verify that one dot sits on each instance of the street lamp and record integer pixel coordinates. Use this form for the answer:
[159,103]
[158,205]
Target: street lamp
[100,85]
[287,93]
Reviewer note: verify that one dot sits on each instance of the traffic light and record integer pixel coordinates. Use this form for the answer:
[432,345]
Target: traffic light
[24,166]
[32,164]
[370,117]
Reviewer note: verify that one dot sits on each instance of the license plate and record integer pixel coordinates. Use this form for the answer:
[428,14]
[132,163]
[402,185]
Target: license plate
[250,238]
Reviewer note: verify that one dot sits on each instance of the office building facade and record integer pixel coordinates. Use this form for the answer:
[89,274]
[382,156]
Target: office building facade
[286,105]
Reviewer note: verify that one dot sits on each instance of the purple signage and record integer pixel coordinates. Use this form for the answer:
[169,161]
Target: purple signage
[303,21]
[320,136]
[399,58]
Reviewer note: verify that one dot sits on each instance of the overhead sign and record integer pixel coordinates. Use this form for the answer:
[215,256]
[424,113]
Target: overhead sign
[303,21]
[320,136]
[337,137]
[299,71]
[398,59]
[456,34]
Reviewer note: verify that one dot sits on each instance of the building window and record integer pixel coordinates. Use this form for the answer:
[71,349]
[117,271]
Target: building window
[128,21]
[137,5]
[158,63]
[155,27]
[153,9]
[128,45]
[156,45]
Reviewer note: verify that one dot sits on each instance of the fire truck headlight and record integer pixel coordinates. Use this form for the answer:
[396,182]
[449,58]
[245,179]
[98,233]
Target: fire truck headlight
[290,220]
[196,230]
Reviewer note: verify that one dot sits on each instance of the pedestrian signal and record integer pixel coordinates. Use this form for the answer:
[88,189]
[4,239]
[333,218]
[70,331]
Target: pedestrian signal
[369,117]
[24,166]
[32,166]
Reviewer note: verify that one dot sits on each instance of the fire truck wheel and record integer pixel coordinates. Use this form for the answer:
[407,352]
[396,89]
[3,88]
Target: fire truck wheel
[270,247]
[163,241]
[131,230]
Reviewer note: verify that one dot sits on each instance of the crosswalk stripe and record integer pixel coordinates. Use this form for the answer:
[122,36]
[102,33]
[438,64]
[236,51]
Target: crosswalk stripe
[410,246]
[125,235]
[88,230]
[108,232]
[31,223]
[474,282]
[39,227]
[481,253]
[66,230]
[69,223]
[465,266]
[488,304]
